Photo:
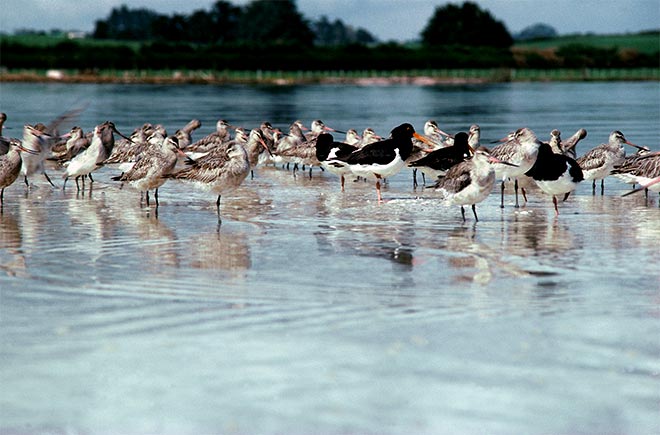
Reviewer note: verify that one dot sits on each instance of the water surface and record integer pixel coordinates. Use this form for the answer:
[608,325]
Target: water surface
[312,311]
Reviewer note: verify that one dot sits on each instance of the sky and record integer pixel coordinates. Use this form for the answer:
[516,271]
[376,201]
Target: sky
[397,20]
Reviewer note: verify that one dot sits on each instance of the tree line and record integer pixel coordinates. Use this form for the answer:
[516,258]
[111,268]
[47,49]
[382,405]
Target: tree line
[273,35]
[261,22]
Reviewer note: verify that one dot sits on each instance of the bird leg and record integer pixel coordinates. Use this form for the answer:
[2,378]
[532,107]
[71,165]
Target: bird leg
[48,178]
[593,187]
[463,213]
[77,185]
[64,184]
[602,186]
[524,194]
[380,198]
[515,188]
[414,178]
[310,172]
[554,201]
[91,180]
[502,196]
[156,197]
[147,194]
[474,211]
[26,181]
[342,182]
[217,206]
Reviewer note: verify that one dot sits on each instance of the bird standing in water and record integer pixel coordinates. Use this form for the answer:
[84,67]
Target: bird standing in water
[469,182]
[10,166]
[383,158]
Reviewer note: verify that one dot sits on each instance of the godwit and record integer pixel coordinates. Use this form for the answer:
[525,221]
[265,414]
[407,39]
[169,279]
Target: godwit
[126,150]
[76,143]
[352,137]
[368,136]
[555,174]
[433,134]
[184,135]
[474,136]
[255,146]
[383,158]
[294,138]
[469,182]
[318,127]
[598,162]
[98,151]
[520,149]
[220,135]
[36,145]
[4,141]
[436,163]
[151,167]
[568,146]
[10,166]
[222,170]
[644,170]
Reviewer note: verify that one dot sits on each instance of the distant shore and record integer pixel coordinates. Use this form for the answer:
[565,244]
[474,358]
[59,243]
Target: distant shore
[364,78]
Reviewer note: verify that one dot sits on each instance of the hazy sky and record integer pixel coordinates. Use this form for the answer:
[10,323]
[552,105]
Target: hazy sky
[386,19]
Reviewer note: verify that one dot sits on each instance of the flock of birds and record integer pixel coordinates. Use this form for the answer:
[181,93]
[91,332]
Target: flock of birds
[463,172]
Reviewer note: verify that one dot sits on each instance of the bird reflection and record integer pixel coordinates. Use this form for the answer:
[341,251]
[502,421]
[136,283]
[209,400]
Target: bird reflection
[386,236]
[535,235]
[12,259]
[226,249]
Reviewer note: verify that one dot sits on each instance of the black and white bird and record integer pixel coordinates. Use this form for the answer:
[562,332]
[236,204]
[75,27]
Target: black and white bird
[555,174]
[328,149]
[383,158]
[436,163]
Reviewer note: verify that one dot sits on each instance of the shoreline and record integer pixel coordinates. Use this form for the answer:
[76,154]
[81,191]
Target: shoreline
[360,78]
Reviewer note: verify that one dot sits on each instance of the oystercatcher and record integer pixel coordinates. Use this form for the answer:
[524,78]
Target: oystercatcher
[383,158]
[327,149]
[555,174]
[437,163]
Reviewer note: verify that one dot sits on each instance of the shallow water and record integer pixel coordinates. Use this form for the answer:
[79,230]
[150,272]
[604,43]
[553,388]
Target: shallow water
[312,311]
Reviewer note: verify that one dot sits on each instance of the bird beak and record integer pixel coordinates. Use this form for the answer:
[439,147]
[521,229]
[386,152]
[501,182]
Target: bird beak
[496,160]
[638,146]
[656,180]
[445,134]
[504,139]
[120,134]
[261,141]
[27,150]
[425,140]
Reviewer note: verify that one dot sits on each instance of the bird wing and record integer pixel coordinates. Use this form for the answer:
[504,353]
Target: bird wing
[380,153]
[206,168]
[457,178]
[592,159]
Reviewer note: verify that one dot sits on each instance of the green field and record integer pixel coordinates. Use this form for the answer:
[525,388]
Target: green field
[647,43]
[37,40]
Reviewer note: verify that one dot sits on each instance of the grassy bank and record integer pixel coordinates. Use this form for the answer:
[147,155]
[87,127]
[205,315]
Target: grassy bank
[365,77]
